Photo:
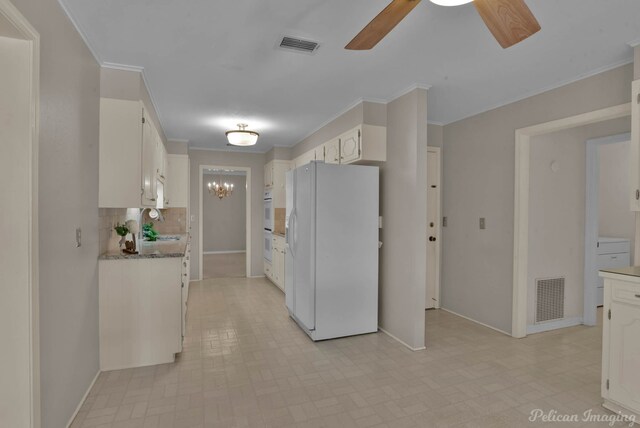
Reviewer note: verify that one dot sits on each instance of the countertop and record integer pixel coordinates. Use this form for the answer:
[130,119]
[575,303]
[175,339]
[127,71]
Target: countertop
[632,272]
[152,250]
[279,234]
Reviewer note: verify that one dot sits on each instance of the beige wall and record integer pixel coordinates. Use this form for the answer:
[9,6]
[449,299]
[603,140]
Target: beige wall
[404,215]
[435,135]
[254,161]
[479,168]
[614,217]
[557,210]
[364,112]
[129,85]
[278,153]
[68,198]
[177,147]
[224,220]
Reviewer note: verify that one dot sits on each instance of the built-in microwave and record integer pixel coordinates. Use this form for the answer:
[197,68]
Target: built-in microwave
[268,210]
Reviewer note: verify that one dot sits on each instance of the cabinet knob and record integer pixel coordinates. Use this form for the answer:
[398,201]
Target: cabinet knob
[638,194]
[432,238]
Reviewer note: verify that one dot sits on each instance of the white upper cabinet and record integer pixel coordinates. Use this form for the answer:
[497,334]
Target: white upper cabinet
[350,146]
[177,187]
[130,155]
[149,161]
[279,168]
[319,153]
[634,150]
[305,158]
[364,144]
[268,175]
[332,151]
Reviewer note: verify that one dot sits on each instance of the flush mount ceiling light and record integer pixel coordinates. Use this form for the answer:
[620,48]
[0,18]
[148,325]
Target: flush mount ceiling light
[242,136]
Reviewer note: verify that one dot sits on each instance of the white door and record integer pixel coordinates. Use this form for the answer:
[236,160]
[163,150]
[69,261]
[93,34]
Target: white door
[624,356]
[350,146]
[19,360]
[433,228]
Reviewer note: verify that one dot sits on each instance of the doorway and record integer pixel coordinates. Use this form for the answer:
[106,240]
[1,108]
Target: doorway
[434,171]
[19,92]
[523,137]
[609,224]
[224,222]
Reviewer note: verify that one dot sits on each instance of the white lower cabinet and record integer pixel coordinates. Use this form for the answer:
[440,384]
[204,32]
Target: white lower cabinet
[141,311]
[275,270]
[621,344]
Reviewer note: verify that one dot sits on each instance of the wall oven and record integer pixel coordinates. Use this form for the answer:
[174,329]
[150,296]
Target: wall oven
[267,245]
[268,210]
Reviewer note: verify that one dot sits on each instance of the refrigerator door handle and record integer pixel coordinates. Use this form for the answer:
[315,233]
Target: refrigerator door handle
[291,237]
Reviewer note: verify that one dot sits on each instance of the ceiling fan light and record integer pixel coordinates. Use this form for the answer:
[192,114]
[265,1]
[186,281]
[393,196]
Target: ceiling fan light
[242,137]
[451,2]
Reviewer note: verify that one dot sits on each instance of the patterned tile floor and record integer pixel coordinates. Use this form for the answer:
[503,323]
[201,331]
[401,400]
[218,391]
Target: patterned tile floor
[246,364]
[230,265]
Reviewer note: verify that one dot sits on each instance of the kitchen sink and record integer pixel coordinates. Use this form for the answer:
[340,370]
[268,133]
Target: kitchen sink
[168,238]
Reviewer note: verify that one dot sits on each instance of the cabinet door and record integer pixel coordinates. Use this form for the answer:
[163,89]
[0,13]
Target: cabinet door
[634,149]
[624,350]
[148,165]
[178,182]
[320,155]
[332,151]
[268,175]
[350,146]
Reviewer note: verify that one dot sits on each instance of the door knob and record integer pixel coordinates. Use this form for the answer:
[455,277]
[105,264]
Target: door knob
[432,238]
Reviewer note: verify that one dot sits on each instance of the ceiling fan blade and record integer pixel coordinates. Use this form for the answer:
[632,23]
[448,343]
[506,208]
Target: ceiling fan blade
[510,21]
[382,24]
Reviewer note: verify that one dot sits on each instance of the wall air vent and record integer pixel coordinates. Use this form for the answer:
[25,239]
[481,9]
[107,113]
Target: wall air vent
[549,299]
[299,45]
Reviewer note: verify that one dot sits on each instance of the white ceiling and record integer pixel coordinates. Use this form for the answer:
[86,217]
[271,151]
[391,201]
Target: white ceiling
[210,64]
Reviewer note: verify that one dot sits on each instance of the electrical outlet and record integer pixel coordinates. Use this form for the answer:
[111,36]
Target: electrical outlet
[483,223]
[78,237]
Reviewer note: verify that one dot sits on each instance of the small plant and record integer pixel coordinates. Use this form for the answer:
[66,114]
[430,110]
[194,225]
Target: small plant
[149,233]
[121,229]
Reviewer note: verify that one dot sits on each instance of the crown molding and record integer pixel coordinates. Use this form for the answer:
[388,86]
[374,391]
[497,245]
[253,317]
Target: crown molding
[80,31]
[407,90]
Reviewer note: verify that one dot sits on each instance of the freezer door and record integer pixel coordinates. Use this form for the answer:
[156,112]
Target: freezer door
[303,246]
[288,258]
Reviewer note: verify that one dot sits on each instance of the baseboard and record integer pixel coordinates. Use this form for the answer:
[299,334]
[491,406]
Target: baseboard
[554,325]
[258,276]
[476,321]
[84,398]
[223,252]
[400,340]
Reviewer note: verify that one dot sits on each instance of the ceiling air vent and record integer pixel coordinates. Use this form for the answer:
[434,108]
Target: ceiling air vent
[299,45]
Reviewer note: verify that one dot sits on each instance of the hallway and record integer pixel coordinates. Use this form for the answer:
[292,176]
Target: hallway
[246,364]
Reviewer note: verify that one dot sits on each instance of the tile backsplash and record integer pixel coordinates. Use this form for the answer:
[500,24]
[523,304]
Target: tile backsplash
[175,221]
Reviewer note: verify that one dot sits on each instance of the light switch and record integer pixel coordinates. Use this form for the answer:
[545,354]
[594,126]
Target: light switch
[78,238]
[483,224]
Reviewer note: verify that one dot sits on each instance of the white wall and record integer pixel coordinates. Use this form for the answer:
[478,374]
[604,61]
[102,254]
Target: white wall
[256,162]
[68,198]
[557,210]
[404,211]
[615,219]
[479,174]
[224,220]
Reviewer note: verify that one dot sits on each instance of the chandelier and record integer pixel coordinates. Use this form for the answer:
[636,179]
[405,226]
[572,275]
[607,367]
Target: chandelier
[242,136]
[220,189]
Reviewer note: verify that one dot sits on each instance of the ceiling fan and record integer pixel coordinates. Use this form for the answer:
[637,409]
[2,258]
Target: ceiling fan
[510,21]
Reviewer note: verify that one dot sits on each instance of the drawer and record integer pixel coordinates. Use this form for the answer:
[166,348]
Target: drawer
[625,293]
[267,269]
[615,260]
[611,247]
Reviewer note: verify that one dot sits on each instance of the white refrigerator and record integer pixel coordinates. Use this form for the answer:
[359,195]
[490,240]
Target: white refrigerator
[331,265]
